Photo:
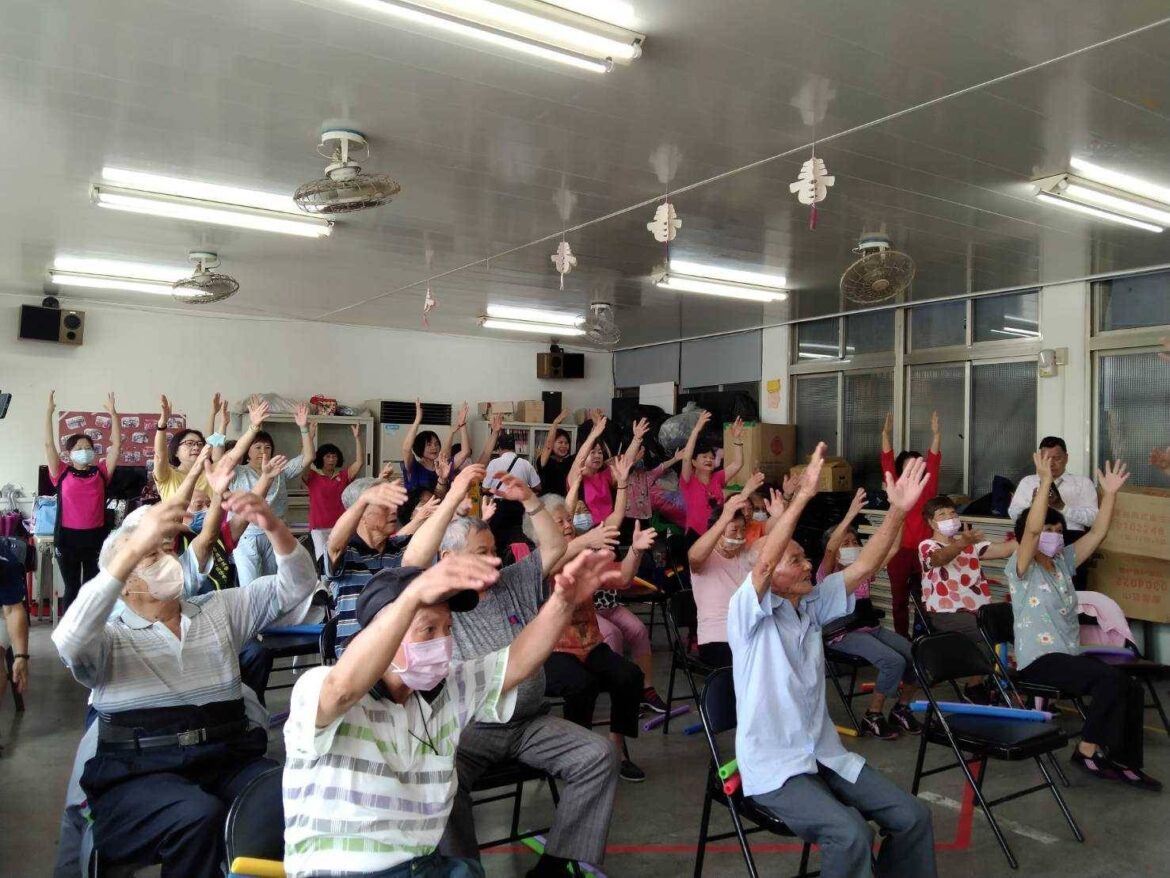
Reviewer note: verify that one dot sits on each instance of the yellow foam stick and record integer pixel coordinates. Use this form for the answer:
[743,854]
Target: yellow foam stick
[254,867]
[846,731]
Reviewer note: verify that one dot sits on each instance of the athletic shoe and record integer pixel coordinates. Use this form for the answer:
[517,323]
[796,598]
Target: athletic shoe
[875,725]
[651,700]
[631,773]
[1097,765]
[902,717]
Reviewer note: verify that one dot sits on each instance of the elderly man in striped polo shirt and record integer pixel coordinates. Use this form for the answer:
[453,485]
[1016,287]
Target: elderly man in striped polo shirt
[174,745]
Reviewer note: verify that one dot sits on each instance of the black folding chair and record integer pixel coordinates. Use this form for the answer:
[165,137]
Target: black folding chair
[255,821]
[717,711]
[1141,669]
[512,775]
[940,658]
[682,661]
[842,664]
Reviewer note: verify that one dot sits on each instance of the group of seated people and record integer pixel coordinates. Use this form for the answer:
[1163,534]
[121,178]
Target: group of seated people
[455,620]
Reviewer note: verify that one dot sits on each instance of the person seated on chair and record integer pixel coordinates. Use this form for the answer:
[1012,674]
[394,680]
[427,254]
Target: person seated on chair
[953,584]
[790,756]
[862,634]
[370,777]
[12,598]
[174,745]
[1047,631]
[575,756]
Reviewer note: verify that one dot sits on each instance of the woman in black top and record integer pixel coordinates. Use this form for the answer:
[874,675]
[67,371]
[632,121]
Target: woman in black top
[555,461]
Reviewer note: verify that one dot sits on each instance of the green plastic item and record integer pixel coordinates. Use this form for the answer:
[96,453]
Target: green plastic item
[729,769]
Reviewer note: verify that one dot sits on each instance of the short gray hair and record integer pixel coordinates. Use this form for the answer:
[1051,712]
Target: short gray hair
[356,488]
[111,543]
[458,531]
[551,502]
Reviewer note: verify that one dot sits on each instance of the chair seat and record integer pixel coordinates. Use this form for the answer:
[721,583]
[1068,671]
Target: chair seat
[506,774]
[1137,667]
[1009,739]
[286,645]
[844,658]
[747,807]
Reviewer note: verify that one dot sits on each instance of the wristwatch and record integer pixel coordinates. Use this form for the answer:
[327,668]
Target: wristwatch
[16,655]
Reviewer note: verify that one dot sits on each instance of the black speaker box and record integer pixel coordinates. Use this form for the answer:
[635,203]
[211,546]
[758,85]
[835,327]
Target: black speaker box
[555,366]
[61,325]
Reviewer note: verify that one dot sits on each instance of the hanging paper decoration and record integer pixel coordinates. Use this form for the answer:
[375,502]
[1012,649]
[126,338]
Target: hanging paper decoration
[563,260]
[812,186]
[665,224]
[429,305]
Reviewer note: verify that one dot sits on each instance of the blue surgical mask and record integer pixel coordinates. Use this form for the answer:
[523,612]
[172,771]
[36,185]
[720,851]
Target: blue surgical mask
[81,456]
[197,520]
[582,522]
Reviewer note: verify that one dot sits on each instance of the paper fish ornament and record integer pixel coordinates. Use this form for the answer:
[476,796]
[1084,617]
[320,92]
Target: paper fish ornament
[813,183]
[665,224]
[563,260]
[429,304]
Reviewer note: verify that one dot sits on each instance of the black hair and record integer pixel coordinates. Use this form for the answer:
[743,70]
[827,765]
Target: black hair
[1050,517]
[72,441]
[900,460]
[506,442]
[717,513]
[421,440]
[934,504]
[413,498]
[828,535]
[176,441]
[564,433]
[456,448]
[263,436]
[1053,442]
[702,447]
[328,448]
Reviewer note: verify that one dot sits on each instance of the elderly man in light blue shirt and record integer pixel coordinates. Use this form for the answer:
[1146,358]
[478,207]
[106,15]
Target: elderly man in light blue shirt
[790,756]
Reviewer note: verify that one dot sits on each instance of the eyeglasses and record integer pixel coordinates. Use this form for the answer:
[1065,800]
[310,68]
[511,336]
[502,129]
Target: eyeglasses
[192,443]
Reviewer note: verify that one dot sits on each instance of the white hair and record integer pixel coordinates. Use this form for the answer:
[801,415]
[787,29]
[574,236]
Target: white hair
[111,543]
[458,531]
[551,502]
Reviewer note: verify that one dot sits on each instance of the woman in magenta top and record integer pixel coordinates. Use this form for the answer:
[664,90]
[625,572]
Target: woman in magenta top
[701,486]
[325,481]
[81,497]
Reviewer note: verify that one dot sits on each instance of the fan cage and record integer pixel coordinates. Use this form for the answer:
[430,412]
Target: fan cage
[363,191]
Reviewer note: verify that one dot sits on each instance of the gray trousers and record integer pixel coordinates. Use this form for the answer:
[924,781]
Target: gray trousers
[886,651]
[828,810]
[584,761]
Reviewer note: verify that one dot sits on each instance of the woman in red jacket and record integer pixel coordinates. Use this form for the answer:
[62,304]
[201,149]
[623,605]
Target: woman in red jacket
[903,568]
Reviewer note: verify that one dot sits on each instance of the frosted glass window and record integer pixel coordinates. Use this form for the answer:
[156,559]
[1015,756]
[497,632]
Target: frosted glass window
[818,340]
[1003,318]
[1003,423]
[939,325]
[868,397]
[941,389]
[1133,399]
[816,414]
[870,332]
[1128,302]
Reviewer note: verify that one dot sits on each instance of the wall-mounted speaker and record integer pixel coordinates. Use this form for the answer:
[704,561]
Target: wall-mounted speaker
[557,365]
[62,325]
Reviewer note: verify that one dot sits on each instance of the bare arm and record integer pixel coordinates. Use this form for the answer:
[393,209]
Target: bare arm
[464,454]
[944,555]
[731,469]
[602,538]
[257,412]
[777,541]
[838,536]
[903,495]
[52,455]
[599,424]
[1036,514]
[205,540]
[935,433]
[162,463]
[705,545]
[115,448]
[224,417]
[388,494]
[999,551]
[408,439]
[620,470]
[424,545]
[688,470]
[302,419]
[546,450]
[497,424]
[307,472]
[359,453]
[641,543]
[215,402]
[887,434]
[1111,481]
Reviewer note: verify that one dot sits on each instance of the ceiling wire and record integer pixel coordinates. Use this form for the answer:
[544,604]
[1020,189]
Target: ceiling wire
[864,126]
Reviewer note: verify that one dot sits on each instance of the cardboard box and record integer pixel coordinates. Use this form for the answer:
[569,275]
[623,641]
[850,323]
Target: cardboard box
[1141,524]
[1141,586]
[771,447]
[836,475]
[529,411]
[503,407]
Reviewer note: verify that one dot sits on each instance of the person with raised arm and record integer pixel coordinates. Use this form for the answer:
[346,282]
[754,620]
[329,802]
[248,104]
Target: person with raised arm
[174,459]
[325,481]
[174,743]
[1047,630]
[420,454]
[495,426]
[719,561]
[385,722]
[790,756]
[554,462]
[81,497]
[701,484]
[904,569]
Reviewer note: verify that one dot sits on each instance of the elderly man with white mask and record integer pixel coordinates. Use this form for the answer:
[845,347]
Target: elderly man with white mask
[174,742]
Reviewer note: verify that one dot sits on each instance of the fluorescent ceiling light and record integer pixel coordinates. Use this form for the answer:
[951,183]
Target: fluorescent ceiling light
[683,284]
[1023,333]
[522,326]
[533,315]
[1115,203]
[1120,181]
[176,198]
[1096,212]
[105,274]
[537,29]
[735,275]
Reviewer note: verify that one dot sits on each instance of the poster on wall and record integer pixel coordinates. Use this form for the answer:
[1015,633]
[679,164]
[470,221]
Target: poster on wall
[137,433]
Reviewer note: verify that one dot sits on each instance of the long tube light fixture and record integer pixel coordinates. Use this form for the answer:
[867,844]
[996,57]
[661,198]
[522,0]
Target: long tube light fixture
[1106,194]
[514,319]
[728,283]
[531,27]
[103,274]
[196,201]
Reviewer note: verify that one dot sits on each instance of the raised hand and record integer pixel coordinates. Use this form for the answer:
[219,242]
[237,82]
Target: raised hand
[733,506]
[302,415]
[388,494]
[584,575]
[275,466]
[487,508]
[1115,475]
[52,401]
[313,431]
[1043,466]
[497,423]
[809,480]
[737,429]
[621,467]
[775,504]
[641,428]
[857,504]
[110,406]
[216,401]
[164,416]
[388,472]
[443,466]
[161,523]
[904,493]
[935,425]
[643,540]
[511,487]
[604,536]
[356,429]
[462,484]
[454,574]
[972,535]
[600,422]
[791,483]
[224,412]
[423,511]
[220,476]
[461,418]
[559,419]
[418,410]
[702,422]
[888,426]
[753,483]
[257,412]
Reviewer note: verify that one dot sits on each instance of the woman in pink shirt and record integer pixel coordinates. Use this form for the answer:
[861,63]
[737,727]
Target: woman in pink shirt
[701,486]
[325,480]
[81,497]
[719,565]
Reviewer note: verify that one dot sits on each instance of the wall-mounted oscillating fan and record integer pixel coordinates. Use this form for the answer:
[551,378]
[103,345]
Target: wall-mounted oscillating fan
[204,285]
[344,188]
[600,326]
[880,273]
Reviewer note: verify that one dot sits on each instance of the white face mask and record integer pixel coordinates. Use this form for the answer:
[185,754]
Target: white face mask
[760,515]
[732,542]
[949,527]
[846,555]
[163,578]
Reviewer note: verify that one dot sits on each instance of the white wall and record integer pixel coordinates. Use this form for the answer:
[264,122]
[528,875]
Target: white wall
[1063,402]
[140,355]
[776,354]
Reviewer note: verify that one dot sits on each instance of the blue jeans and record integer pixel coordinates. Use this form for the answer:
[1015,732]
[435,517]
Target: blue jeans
[886,651]
[254,557]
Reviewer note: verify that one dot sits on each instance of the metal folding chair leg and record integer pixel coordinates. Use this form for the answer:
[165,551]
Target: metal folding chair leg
[1072,823]
[1156,703]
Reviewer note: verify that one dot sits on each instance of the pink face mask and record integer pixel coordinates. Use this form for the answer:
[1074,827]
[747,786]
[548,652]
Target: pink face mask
[427,663]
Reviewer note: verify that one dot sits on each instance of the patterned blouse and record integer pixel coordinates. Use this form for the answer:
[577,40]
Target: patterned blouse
[1045,607]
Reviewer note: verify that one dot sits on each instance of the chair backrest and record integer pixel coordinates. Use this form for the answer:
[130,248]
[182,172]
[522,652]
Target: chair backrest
[920,612]
[718,704]
[255,821]
[941,658]
[328,642]
[997,621]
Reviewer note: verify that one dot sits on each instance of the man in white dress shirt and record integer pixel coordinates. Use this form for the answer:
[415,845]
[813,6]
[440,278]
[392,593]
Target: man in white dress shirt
[1073,496]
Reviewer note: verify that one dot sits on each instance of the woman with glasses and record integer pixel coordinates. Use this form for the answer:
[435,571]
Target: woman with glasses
[174,459]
